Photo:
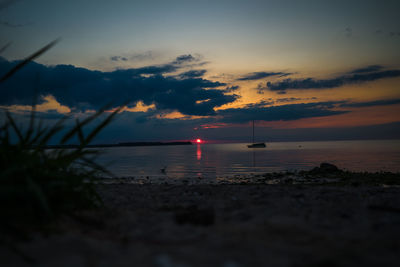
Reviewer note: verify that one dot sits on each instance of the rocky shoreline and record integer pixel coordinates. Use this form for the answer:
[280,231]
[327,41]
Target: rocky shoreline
[325,174]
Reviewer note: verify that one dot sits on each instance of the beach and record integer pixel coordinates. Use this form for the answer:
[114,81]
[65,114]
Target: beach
[287,223]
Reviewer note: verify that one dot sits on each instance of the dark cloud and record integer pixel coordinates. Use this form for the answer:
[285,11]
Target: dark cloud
[372,103]
[184,96]
[142,56]
[287,99]
[175,65]
[371,68]
[261,87]
[152,70]
[370,73]
[261,75]
[192,74]
[184,59]
[261,111]
[261,104]
[231,88]
[277,113]
[82,89]
[308,83]
[265,111]
[133,57]
[118,58]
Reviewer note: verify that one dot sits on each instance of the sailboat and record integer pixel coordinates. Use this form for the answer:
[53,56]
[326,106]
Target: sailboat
[256,145]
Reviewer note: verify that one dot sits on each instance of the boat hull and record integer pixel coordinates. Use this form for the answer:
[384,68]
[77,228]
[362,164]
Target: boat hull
[258,145]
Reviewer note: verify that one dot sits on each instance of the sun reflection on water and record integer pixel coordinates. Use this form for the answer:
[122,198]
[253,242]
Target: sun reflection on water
[198,152]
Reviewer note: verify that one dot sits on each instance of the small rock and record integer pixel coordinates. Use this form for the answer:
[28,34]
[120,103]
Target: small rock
[325,168]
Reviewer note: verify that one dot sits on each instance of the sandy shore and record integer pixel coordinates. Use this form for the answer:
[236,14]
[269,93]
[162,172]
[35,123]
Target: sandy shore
[225,225]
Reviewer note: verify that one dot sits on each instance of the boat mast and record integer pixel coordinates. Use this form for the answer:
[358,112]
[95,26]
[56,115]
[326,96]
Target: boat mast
[253,131]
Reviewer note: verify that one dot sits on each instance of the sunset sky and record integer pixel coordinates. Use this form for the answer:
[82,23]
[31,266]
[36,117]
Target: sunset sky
[303,70]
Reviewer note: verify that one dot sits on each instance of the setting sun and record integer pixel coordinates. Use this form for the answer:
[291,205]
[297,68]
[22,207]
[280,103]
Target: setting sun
[198,140]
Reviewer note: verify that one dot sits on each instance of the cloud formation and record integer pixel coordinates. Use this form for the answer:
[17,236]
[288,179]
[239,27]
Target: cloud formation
[276,113]
[184,59]
[370,68]
[81,89]
[367,74]
[192,74]
[133,57]
[231,88]
[372,103]
[265,111]
[118,58]
[260,75]
[287,99]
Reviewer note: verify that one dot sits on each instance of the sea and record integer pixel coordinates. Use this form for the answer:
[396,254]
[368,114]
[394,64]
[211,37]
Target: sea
[207,160]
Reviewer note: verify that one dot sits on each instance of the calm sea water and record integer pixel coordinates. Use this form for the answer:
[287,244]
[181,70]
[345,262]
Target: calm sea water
[222,160]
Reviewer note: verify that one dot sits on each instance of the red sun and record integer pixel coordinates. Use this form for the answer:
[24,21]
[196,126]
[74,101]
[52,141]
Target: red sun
[198,140]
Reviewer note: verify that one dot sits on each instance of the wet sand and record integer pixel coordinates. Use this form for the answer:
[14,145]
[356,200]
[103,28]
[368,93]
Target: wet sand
[225,225]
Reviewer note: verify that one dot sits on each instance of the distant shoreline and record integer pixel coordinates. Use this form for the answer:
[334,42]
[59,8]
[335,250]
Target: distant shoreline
[125,144]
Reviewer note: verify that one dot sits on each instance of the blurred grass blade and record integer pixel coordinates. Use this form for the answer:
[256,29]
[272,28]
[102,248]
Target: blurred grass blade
[14,126]
[33,110]
[75,130]
[58,126]
[14,248]
[97,166]
[80,134]
[39,195]
[27,60]
[5,47]
[102,125]
[39,133]
[40,182]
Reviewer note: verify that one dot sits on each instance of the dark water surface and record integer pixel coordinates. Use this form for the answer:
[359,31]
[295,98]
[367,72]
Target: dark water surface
[221,160]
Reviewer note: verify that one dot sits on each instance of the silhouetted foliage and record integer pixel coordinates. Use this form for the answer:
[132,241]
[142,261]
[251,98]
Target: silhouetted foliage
[36,183]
